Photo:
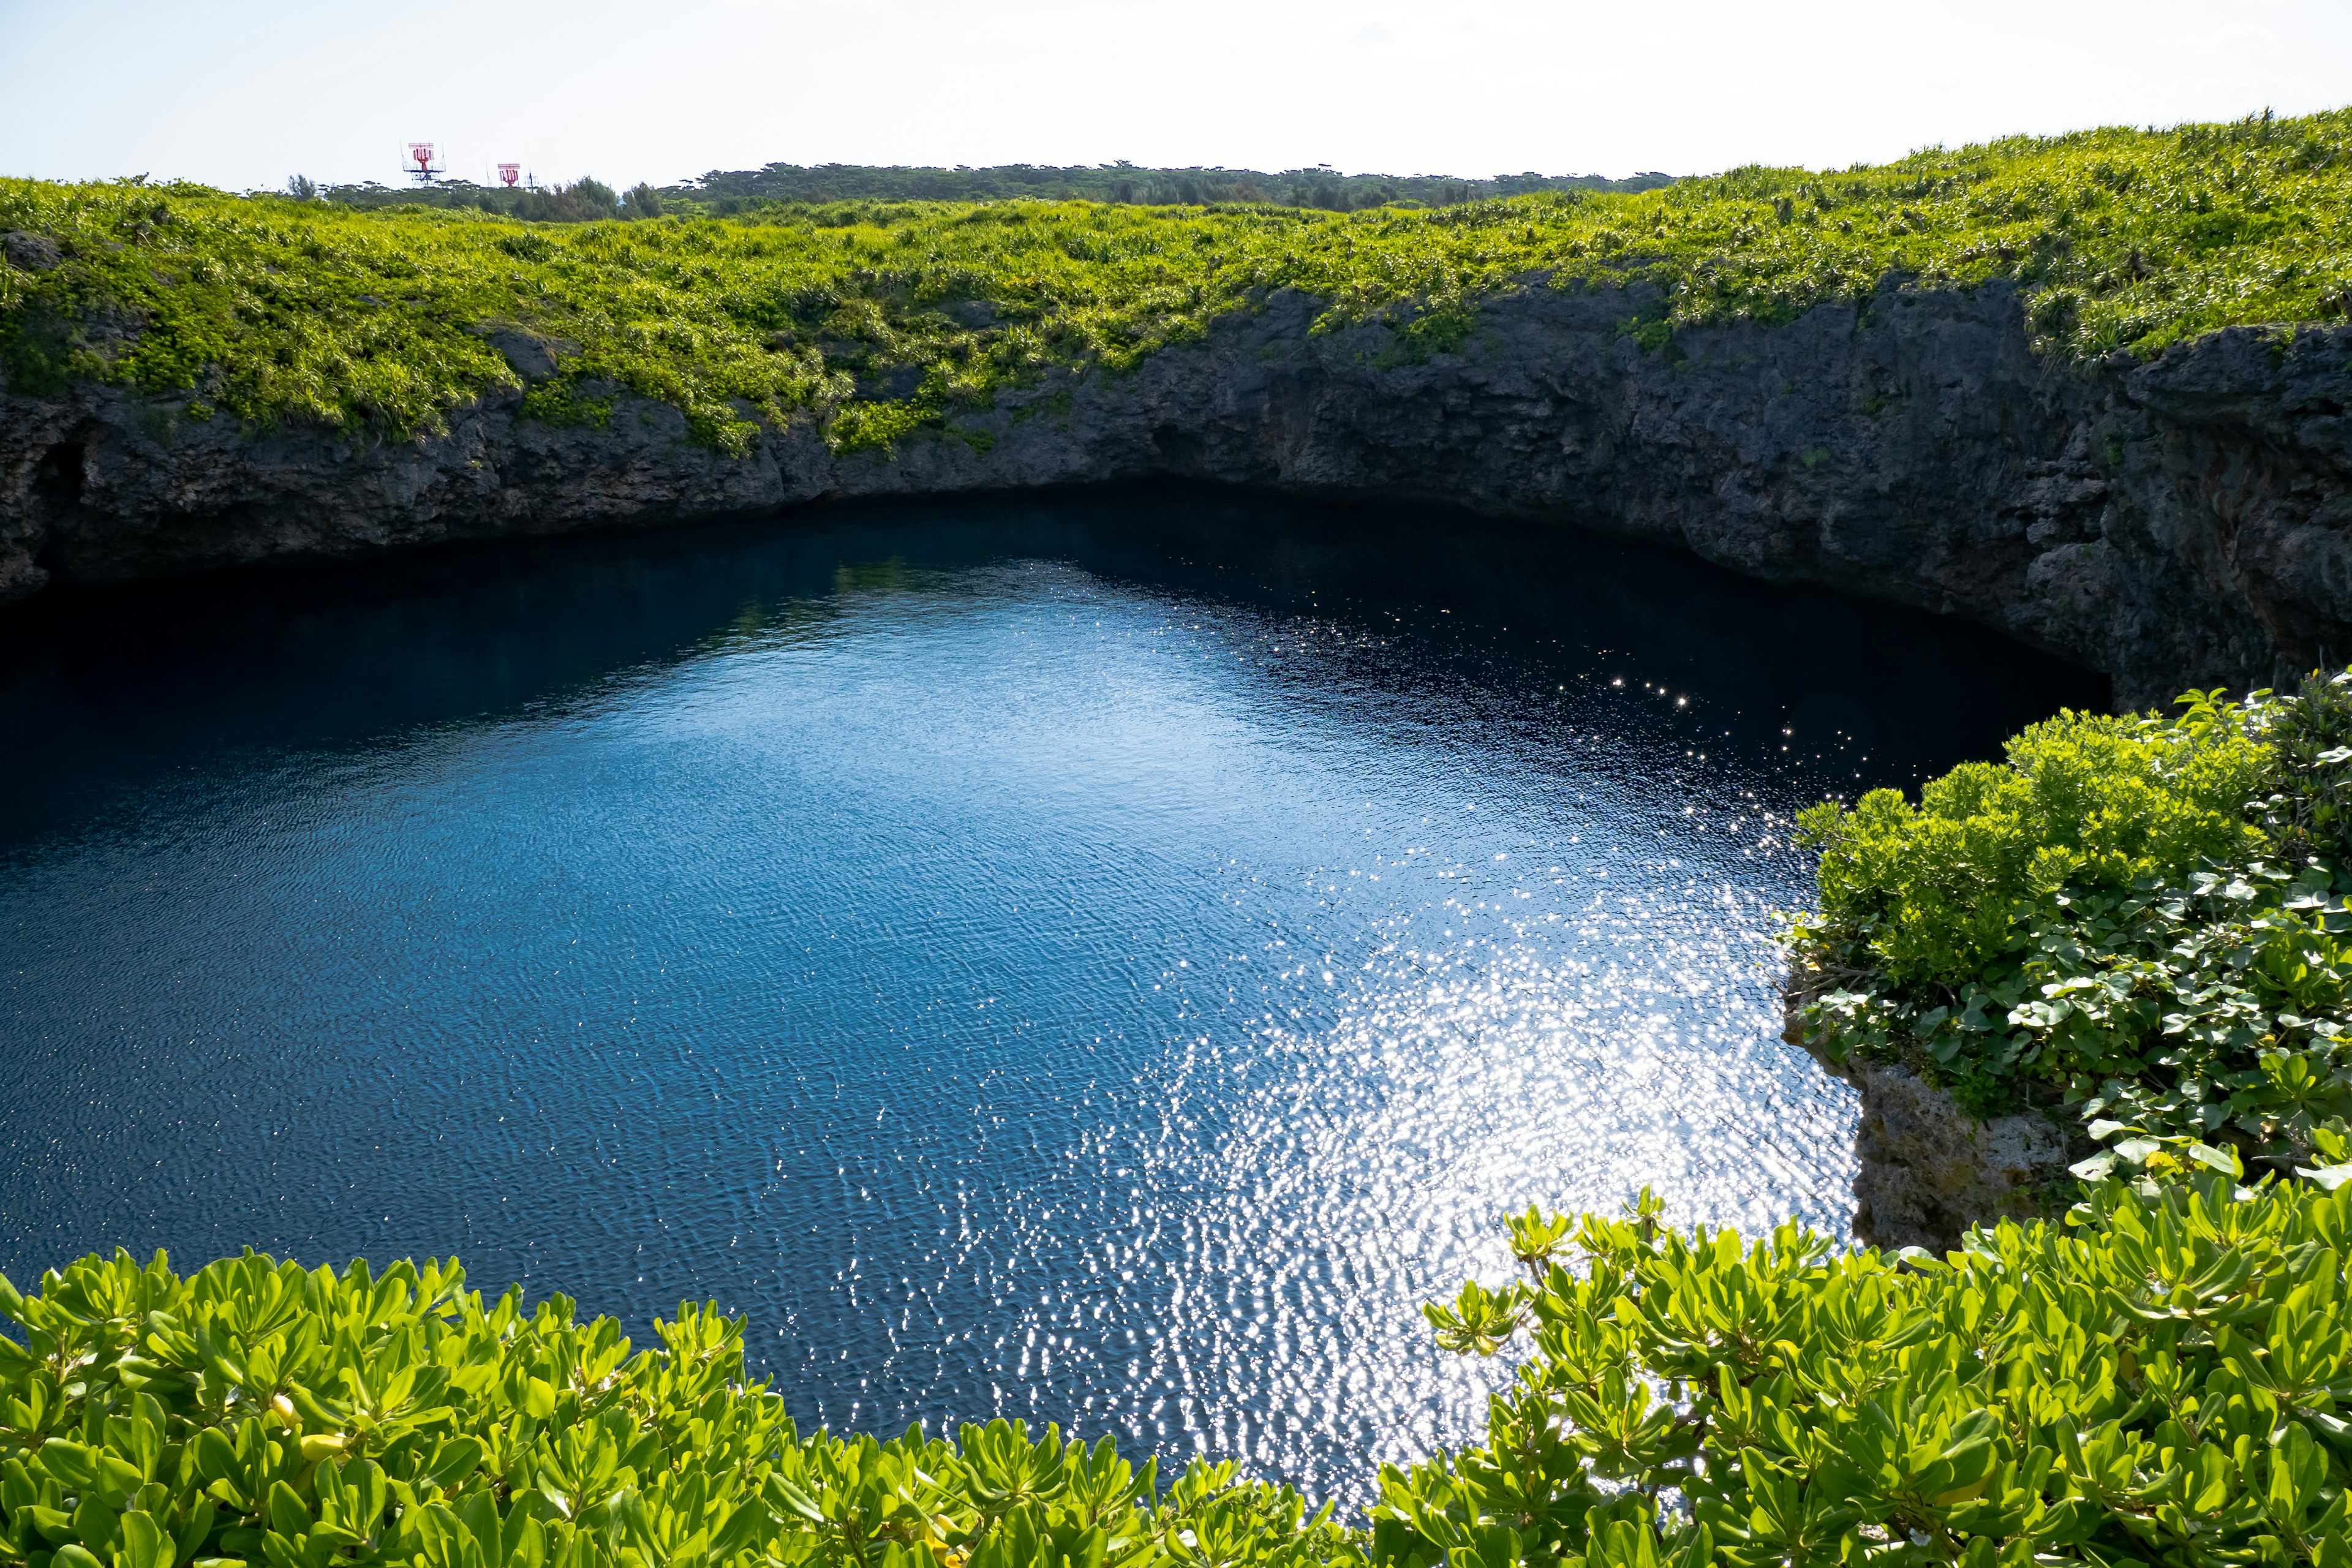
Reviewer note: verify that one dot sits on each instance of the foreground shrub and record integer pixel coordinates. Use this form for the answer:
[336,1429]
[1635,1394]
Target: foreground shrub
[257,1413]
[2140,920]
[2161,1379]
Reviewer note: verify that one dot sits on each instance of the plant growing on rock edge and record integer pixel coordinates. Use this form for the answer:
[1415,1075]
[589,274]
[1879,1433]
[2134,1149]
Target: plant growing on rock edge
[2140,920]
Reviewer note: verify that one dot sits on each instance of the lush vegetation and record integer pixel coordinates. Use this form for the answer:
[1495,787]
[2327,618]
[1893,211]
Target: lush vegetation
[2158,1381]
[2141,919]
[257,1413]
[877,320]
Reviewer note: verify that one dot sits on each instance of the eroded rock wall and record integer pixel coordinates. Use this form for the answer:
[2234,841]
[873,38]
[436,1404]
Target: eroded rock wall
[2187,521]
[1929,1169]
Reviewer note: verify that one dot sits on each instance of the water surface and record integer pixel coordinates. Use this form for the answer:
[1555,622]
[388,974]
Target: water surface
[1102,960]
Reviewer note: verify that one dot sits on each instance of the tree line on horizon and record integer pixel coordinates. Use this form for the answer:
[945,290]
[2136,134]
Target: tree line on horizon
[584,200]
[725,193]
[1320,187]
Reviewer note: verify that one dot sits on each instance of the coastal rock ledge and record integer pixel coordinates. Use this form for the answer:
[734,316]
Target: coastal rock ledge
[2187,520]
[1926,1170]
[1929,1169]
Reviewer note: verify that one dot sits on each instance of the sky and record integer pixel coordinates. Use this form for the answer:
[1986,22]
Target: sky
[242,95]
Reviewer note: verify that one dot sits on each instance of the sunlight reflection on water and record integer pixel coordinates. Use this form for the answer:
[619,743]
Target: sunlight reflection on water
[1025,974]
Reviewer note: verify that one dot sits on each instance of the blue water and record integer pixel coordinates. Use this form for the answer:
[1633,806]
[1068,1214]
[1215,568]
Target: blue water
[1103,960]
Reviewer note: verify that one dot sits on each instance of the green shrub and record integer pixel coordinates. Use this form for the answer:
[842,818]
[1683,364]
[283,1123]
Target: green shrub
[2161,1381]
[257,1413]
[2086,801]
[2143,920]
[2311,732]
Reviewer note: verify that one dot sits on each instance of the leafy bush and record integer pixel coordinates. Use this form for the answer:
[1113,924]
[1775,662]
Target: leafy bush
[2086,801]
[2158,1381]
[2162,1380]
[2141,919]
[2311,732]
[257,1413]
[273,309]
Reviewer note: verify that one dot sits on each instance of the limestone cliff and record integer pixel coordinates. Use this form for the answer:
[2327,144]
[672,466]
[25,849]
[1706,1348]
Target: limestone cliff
[2184,521]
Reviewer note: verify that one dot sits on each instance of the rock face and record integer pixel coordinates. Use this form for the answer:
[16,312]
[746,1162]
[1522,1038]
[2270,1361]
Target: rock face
[2185,521]
[1929,1169]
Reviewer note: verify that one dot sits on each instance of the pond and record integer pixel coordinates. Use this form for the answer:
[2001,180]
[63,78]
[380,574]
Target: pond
[1103,959]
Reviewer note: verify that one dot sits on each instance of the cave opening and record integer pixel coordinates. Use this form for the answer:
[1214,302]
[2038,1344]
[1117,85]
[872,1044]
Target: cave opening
[57,481]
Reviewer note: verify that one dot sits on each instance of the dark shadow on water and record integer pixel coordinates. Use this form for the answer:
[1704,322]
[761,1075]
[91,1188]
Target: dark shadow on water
[101,683]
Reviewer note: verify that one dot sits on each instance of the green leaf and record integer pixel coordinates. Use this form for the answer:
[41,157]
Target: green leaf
[143,1543]
[2220,1160]
[454,1459]
[73,1464]
[790,1500]
[197,1529]
[286,1512]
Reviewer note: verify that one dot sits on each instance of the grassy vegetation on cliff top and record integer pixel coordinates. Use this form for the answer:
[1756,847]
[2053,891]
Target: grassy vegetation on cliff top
[879,319]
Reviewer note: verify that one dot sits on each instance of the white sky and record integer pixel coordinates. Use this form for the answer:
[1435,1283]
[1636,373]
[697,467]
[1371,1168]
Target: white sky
[243,94]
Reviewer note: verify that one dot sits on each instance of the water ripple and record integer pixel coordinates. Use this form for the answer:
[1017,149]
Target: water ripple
[1106,963]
